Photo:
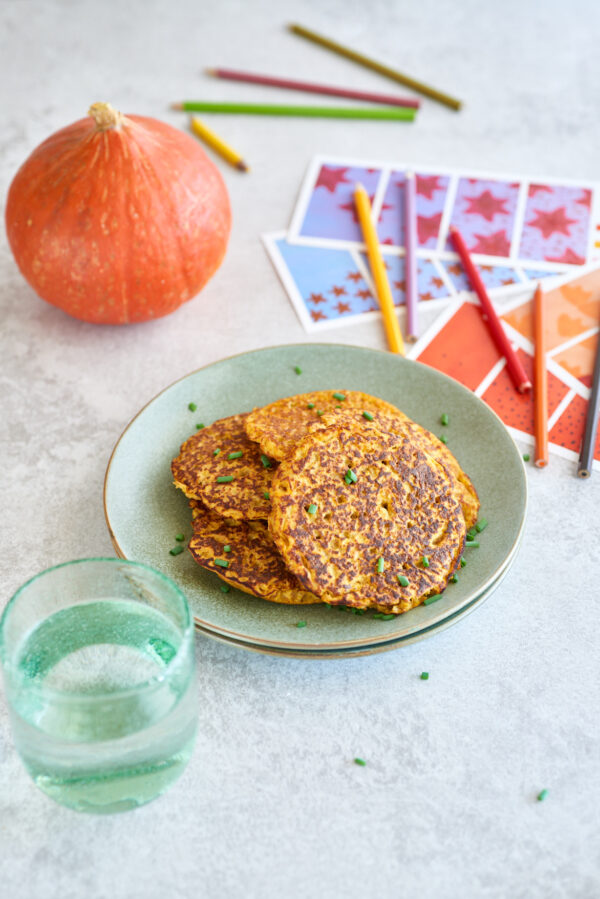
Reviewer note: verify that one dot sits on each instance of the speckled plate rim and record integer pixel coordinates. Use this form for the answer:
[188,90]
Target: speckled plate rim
[442,613]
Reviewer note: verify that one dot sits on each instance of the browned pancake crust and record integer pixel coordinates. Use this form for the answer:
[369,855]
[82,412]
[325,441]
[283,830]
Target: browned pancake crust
[401,508]
[279,426]
[196,469]
[255,566]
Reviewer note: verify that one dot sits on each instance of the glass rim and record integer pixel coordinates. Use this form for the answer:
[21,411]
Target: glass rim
[69,695]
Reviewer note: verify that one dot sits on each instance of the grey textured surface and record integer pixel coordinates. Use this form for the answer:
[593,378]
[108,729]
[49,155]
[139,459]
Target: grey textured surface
[271,804]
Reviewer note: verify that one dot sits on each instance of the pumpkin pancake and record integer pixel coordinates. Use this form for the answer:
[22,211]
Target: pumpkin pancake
[279,426]
[355,509]
[395,422]
[205,457]
[253,563]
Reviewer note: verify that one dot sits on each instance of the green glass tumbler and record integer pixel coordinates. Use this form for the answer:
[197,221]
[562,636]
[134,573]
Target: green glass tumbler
[99,672]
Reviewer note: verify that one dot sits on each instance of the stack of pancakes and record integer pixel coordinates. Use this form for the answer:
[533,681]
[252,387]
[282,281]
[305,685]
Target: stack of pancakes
[331,496]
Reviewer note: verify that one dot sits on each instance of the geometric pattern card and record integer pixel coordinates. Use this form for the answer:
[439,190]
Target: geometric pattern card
[330,286]
[459,344]
[510,221]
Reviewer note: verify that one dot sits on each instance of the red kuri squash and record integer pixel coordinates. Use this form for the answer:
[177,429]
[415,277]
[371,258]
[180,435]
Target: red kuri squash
[118,218]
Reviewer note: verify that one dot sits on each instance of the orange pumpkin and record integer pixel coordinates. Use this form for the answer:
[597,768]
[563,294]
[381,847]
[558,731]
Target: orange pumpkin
[118,219]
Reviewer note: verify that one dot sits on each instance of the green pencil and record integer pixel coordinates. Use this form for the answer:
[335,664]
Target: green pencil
[398,113]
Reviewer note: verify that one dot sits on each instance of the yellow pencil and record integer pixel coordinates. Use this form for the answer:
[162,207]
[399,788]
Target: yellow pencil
[218,144]
[382,285]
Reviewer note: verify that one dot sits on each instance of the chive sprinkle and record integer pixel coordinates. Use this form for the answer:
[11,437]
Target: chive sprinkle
[222,563]
[319,412]
[368,416]
[424,675]
[179,537]
[312,509]
[386,617]
[444,419]
[176,550]
[360,762]
[433,598]
[339,396]
[225,479]
[199,426]
[265,461]
[454,578]
[338,407]
[301,624]
[443,438]
[311,406]
[297,369]
[472,532]
[380,564]
[403,580]
[350,477]
[217,451]
[425,562]
[470,537]
[462,563]
[472,544]
[192,407]
[227,549]
[236,455]
[541,796]
[526,457]
[266,494]
[225,588]
[481,525]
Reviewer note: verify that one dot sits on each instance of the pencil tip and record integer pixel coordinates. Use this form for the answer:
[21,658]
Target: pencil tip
[241,165]
[177,106]
[210,71]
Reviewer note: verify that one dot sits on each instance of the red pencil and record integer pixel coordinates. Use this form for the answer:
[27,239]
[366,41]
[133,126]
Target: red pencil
[312,88]
[515,369]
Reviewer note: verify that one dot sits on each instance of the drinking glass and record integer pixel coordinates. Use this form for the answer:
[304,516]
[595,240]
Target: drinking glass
[99,672]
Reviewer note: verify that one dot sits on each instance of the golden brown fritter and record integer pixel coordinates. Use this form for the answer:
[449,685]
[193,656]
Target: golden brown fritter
[198,465]
[254,565]
[399,509]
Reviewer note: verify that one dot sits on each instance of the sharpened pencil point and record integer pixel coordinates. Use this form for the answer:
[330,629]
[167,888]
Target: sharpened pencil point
[210,71]
[177,106]
[241,165]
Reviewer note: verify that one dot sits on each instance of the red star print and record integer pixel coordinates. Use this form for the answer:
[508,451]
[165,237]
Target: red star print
[569,257]
[426,296]
[455,269]
[338,291]
[400,285]
[486,268]
[549,223]
[351,207]
[508,281]
[428,227]
[437,282]
[363,294]
[586,198]
[537,188]
[388,240]
[354,276]
[317,315]
[496,244]
[486,205]
[384,206]
[316,298]
[330,177]
[343,307]
[426,185]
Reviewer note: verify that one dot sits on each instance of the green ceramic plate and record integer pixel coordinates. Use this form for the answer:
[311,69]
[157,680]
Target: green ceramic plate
[144,511]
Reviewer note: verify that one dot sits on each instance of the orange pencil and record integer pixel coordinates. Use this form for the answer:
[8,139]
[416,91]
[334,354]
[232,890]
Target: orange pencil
[540,380]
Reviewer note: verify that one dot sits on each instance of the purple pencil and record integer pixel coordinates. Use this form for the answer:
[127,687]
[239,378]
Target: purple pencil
[410,260]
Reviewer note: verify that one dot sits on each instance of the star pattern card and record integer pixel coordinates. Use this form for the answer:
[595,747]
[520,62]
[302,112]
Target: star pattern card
[459,344]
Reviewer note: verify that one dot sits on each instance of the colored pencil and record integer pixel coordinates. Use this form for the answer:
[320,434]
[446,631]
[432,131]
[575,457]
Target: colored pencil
[382,285]
[515,369]
[217,144]
[312,88]
[410,260]
[588,446]
[397,113]
[540,381]
[379,67]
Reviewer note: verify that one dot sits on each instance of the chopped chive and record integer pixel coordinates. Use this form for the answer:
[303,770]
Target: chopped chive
[481,525]
[339,396]
[199,426]
[433,598]
[380,564]
[179,537]
[444,419]
[443,438]
[176,550]
[338,407]
[222,563]
[360,611]
[350,477]
[236,455]
[462,562]
[227,549]
[225,588]
[368,416]
[360,762]
[472,544]
[192,407]
[424,675]
[311,406]
[266,494]
[225,479]
[472,532]
[454,578]
[425,562]
[541,796]
[265,461]
[312,509]
[320,412]
[526,457]
[297,369]
[403,580]
[301,624]
[470,537]
[387,617]
[217,451]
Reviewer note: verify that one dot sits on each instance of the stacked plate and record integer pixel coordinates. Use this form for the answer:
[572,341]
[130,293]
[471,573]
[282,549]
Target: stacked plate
[144,511]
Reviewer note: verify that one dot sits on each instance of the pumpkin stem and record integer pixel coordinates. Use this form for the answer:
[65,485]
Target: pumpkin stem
[105,116]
